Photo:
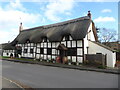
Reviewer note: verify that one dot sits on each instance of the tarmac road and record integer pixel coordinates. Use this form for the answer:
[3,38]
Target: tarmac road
[38,76]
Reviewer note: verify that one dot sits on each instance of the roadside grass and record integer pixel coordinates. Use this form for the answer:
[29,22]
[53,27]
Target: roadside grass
[49,61]
[24,59]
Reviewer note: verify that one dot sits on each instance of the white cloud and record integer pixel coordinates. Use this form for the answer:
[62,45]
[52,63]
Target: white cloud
[9,35]
[58,7]
[104,19]
[15,5]
[106,11]
[10,19]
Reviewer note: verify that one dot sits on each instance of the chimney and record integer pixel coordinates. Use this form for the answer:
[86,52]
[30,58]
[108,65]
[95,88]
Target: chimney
[89,14]
[20,27]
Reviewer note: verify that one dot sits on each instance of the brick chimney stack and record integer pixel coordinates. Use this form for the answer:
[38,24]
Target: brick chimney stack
[20,27]
[89,14]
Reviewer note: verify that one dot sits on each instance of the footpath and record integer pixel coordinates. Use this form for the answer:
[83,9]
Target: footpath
[79,67]
[8,84]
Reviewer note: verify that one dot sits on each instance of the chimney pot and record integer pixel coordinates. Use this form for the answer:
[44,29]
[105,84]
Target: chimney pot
[20,27]
[89,14]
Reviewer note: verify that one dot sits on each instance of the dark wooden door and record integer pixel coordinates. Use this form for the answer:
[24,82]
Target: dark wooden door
[62,54]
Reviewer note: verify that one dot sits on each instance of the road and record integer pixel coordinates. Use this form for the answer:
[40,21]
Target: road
[38,76]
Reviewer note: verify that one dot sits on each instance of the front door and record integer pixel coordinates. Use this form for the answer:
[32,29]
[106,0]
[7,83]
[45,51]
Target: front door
[62,54]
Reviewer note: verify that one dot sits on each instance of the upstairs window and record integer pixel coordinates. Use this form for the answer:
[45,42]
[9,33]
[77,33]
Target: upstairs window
[27,41]
[67,38]
[31,51]
[25,50]
[45,39]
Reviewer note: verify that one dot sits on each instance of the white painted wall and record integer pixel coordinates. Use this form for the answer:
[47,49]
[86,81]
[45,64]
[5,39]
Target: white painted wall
[85,45]
[90,33]
[89,36]
[95,48]
[9,52]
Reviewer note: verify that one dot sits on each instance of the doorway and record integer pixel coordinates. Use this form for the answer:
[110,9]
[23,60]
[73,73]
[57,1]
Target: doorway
[62,52]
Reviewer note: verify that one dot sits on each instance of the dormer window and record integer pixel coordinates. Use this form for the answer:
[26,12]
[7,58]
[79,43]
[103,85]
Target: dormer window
[27,41]
[67,38]
[45,39]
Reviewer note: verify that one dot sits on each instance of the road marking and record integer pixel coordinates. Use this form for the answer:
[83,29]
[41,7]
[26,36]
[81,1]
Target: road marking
[13,82]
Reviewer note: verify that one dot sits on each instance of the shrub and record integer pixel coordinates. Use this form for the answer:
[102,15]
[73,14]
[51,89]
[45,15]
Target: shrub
[101,67]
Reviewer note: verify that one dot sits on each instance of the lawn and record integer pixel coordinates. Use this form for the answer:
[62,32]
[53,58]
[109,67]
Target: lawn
[24,59]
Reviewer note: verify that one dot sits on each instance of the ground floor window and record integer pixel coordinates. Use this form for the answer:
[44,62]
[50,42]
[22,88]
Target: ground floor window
[31,51]
[72,52]
[41,50]
[49,51]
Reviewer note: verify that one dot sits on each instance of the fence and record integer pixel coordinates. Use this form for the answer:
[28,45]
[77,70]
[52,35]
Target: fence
[96,59]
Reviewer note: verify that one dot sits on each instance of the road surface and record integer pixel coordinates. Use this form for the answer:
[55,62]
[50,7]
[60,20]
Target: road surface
[38,76]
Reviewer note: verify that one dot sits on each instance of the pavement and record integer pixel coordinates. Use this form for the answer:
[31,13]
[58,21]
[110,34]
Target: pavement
[78,67]
[6,83]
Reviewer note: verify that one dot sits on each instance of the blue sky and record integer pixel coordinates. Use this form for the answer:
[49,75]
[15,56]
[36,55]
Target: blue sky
[32,14]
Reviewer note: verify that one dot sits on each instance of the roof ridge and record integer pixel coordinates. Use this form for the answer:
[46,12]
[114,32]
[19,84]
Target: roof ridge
[59,23]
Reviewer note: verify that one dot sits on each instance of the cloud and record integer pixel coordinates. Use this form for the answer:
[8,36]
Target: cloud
[9,35]
[15,5]
[58,7]
[10,20]
[106,11]
[104,19]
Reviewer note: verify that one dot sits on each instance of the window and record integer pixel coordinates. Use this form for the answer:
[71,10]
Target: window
[25,50]
[49,51]
[31,51]
[72,52]
[27,41]
[19,51]
[67,38]
[41,50]
[45,39]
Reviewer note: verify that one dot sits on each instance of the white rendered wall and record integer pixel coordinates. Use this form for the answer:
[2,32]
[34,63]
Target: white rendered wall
[9,52]
[90,33]
[95,48]
[85,45]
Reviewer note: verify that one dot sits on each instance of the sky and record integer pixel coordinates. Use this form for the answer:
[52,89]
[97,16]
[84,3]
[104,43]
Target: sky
[38,13]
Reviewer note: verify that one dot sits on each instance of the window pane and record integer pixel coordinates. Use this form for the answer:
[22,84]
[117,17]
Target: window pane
[31,50]
[49,51]
[72,52]
[41,50]
[25,50]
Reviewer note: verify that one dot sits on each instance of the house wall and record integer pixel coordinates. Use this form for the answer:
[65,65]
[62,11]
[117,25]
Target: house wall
[95,48]
[89,36]
[90,33]
[28,46]
[5,52]
[53,45]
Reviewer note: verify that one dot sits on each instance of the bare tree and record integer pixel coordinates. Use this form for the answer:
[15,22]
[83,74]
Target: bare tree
[106,35]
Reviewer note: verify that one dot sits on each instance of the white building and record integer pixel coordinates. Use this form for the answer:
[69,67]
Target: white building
[72,39]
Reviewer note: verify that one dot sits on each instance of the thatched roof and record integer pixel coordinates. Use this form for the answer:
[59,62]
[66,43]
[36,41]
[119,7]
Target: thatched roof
[7,46]
[77,28]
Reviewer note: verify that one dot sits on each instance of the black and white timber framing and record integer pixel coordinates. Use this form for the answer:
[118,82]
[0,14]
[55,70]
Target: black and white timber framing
[43,42]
